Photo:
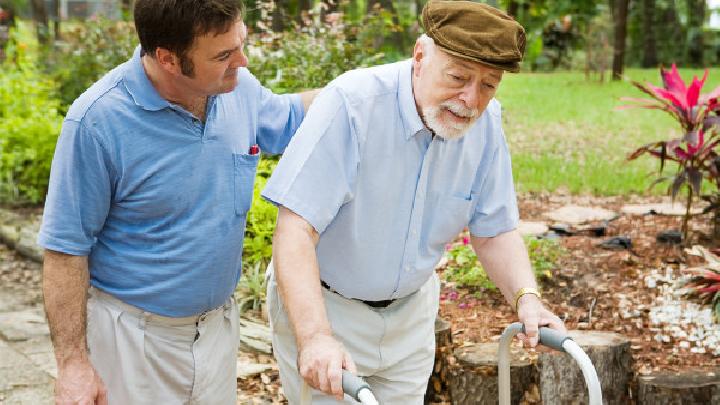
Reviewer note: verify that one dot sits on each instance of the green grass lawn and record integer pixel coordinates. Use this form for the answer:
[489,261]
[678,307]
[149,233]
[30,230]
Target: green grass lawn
[565,132]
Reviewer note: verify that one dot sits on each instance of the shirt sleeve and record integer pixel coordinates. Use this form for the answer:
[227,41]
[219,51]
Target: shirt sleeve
[279,116]
[496,211]
[79,194]
[316,175]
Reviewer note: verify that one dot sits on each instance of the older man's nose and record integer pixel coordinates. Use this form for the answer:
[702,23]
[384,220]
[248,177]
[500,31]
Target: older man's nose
[470,97]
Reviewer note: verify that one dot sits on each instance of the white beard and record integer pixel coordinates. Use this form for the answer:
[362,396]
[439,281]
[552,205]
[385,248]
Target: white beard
[450,130]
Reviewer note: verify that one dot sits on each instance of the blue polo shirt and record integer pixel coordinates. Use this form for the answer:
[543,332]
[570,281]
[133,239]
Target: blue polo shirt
[384,194]
[154,197]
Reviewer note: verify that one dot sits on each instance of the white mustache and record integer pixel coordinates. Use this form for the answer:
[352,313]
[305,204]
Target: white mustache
[460,110]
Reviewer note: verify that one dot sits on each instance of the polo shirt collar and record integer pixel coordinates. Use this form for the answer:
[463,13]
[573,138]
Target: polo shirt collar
[139,86]
[411,119]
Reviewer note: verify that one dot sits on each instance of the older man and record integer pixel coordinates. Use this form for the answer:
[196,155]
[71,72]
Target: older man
[390,164]
[149,191]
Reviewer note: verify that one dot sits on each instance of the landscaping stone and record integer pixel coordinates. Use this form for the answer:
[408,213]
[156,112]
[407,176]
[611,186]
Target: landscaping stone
[255,336]
[247,370]
[669,208]
[17,371]
[530,228]
[23,325]
[576,215]
[20,233]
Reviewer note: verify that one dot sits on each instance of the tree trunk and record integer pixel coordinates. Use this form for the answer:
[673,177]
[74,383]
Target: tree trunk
[56,25]
[513,8]
[562,382]
[304,7]
[438,382]
[650,58]
[278,16]
[620,18]
[474,379]
[687,388]
[696,20]
[40,17]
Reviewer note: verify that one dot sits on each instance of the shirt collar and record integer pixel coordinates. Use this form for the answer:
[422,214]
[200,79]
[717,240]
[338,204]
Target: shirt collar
[411,119]
[139,86]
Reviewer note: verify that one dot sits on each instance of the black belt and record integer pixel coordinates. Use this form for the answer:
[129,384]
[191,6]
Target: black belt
[374,304]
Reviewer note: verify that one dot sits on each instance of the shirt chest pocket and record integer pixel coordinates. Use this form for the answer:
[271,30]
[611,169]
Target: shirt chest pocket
[451,215]
[245,167]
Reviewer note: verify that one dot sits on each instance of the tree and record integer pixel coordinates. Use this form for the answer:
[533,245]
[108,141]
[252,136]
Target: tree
[40,17]
[696,20]
[620,16]
[512,8]
[650,57]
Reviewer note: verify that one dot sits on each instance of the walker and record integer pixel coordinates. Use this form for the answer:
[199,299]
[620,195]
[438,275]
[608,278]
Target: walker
[360,390]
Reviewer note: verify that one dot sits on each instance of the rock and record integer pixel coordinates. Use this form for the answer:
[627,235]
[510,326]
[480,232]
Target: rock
[20,232]
[529,228]
[255,336]
[671,237]
[562,382]
[676,208]
[575,215]
[689,387]
[247,370]
[474,375]
[17,371]
[23,325]
[616,243]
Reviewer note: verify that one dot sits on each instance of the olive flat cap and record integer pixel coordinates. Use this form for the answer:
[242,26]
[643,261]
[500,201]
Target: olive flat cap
[476,32]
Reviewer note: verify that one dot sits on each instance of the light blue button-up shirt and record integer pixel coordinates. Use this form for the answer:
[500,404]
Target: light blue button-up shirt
[154,197]
[384,194]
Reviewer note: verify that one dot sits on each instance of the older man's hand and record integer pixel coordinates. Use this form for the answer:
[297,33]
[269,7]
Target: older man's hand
[321,360]
[533,315]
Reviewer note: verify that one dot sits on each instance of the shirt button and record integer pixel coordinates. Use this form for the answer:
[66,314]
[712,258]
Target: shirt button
[407,269]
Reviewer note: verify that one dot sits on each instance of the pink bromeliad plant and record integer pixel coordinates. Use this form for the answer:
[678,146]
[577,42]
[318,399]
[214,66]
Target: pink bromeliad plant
[696,151]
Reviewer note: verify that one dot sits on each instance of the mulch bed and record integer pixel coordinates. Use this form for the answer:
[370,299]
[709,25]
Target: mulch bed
[583,291]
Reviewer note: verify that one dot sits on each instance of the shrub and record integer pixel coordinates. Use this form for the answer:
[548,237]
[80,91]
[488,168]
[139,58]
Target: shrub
[464,269]
[29,126]
[313,55]
[90,50]
[257,245]
[695,152]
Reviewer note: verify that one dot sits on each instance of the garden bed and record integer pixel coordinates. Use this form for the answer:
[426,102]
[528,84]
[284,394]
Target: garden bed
[624,291]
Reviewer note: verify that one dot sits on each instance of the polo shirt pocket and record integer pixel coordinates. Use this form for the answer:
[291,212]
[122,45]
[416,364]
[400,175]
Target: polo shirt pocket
[245,169]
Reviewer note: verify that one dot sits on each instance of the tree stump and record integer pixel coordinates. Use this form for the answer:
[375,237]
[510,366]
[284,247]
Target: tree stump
[562,382]
[474,376]
[438,383]
[684,388]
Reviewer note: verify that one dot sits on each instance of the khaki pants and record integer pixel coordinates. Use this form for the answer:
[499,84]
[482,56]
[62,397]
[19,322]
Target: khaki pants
[144,358]
[393,347]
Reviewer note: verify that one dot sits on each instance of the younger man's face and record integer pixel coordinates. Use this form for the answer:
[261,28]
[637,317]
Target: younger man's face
[210,66]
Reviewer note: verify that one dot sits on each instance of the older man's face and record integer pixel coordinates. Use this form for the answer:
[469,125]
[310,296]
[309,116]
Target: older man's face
[451,93]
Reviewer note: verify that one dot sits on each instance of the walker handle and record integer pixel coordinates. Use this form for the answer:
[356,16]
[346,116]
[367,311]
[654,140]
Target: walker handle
[353,384]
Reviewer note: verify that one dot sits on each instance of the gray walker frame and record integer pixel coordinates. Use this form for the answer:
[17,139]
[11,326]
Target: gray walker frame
[553,339]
